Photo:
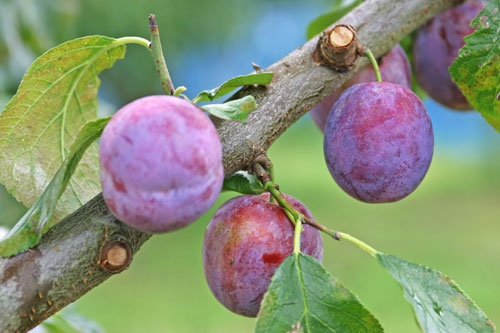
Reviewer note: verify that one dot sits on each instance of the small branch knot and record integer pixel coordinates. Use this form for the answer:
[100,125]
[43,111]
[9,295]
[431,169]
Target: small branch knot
[264,160]
[115,256]
[338,48]
[262,174]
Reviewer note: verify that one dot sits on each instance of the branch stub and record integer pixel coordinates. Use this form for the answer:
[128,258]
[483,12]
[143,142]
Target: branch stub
[115,256]
[338,48]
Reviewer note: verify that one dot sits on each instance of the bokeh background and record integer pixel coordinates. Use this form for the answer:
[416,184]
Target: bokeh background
[451,223]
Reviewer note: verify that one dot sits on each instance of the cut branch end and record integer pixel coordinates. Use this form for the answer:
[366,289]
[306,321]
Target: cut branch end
[115,256]
[338,48]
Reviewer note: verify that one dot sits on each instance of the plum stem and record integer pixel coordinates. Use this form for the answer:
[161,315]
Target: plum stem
[292,214]
[370,56]
[271,173]
[159,59]
[298,219]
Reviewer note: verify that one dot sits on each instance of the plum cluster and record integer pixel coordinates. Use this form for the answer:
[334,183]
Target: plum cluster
[378,140]
[161,169]
[161,162]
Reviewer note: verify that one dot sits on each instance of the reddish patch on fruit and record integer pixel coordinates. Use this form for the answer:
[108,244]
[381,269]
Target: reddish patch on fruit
[118,185]
[206,195]
[272,258]
[129,140]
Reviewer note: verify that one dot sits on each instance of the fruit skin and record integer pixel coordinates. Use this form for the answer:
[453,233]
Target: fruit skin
[394,67]
[161,164]
[245,242]
[436,47]
[378,141]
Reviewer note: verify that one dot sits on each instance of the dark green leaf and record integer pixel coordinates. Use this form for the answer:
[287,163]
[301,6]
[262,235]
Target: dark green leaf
[237,109]
[230,85]
[30,228]
[439,304]
[244,183]
[303,291]
[323,21]
[56,97]
[477,67]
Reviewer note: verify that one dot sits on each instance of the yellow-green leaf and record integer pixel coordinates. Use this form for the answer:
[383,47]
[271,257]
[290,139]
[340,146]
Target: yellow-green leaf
[237,109]
[30,228]
[57,95]
[230,85]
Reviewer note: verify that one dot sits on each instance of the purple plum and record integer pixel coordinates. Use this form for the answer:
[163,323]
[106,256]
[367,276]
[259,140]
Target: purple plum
[394,67]
[378,141]
[161,164]
[245,242]
[436,47]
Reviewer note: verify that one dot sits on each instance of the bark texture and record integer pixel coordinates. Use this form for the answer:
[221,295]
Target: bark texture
[66,263]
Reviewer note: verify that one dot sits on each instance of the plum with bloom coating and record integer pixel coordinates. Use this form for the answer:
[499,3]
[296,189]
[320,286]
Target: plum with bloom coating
[245,242]
[394,67]
[378,141]
[161,164]
[436,47]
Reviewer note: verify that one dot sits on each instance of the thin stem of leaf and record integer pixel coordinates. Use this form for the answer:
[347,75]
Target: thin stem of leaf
[296,236]
[362,245]
[133,40]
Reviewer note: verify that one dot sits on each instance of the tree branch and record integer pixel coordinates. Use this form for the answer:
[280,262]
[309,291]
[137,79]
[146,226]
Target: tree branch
[75,255]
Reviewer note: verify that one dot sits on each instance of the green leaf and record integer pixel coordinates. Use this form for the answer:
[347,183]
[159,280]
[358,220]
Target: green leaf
[439,304]
[325,20]
[301,290]
[30,228]
[56,97]
[244,183]
[237,109]
[230,85]
[476,70]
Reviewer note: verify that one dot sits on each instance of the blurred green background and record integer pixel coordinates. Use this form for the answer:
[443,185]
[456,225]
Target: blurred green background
[450,223]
